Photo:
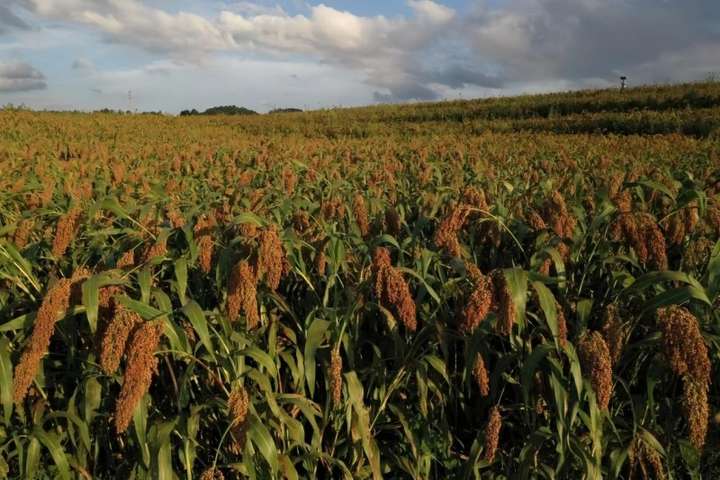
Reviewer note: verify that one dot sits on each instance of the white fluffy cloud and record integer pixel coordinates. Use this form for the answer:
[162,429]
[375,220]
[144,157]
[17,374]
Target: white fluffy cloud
[384,49]
[20,77]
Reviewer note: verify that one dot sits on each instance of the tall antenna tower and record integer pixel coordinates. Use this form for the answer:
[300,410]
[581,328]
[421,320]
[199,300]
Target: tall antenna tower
[130,101]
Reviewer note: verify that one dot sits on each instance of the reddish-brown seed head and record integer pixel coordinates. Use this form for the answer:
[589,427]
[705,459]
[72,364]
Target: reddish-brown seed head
[242,294]
[336,367]
[58,299]
[238,407]
[391,289]
[596,364]
[115,337]
[141,363]
[480,375]
[270,257]
[66,230]
[361,215]
[478,305]
[684,344]
[492,434]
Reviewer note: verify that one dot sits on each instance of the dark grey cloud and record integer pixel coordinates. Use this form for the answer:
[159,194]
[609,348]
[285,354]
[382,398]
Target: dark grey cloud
[460,76]
[574,40]
[20,77]
[83,64]
[9,21]
[406,91]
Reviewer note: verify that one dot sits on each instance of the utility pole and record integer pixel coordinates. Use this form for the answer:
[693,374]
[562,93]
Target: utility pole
[623,83]
[130,101]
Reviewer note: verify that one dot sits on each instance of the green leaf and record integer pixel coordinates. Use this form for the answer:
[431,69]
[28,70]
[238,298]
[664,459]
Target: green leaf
[676,296]
[315,337]
[140,423]
[355,392]
[248,217]
[21,322]
[424,283]
[262,358]
[6,379]
[385,238]
[90,299]
[93,397]
[144,278]
[713,271]
[690,454]
[517,279]
[141,308]
[530,365]
[653,185]
[32,459]
[196,316]
[91,294]
[163,458]
[654,278]
[261,438]
[50,442]
[547,303]
[181,276]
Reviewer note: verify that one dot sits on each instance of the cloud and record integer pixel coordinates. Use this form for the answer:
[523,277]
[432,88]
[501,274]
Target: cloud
[253,8]
[591,39]
[430,52]
[384,50]
[20,77]
[83,64]
[10,21]
[131,22]
[405,91]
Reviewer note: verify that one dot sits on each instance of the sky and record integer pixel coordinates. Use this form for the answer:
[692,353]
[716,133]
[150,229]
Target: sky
[264,54]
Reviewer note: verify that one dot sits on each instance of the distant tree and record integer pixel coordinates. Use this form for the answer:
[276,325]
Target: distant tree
[221,110]
[285,110]
[229,110]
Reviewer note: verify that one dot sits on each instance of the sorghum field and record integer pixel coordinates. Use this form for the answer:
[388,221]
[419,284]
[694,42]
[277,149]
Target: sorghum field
[498,289]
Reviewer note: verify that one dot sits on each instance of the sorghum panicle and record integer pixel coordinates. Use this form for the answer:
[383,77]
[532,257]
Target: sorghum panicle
[446,234]
[270,257]
[242,294]
[393,223]
[115,337]
[57,300]
[391,289]
[503,302]
[238,407]
[336,367]
[66,230]
[478,305]
[684,344]
[614,332]
[361,215]
[22,233]
[205,243]
[697,411]
[597,366]
[492,434]
[480,375]
[141,364]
